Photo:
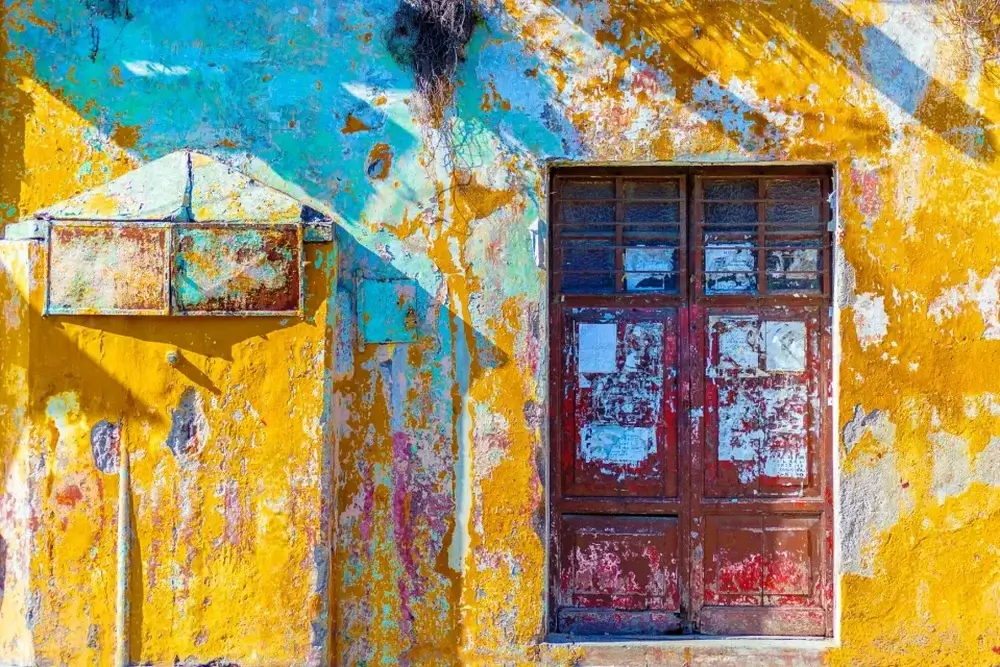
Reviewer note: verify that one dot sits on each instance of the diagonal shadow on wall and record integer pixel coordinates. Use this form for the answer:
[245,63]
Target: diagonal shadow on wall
[819,35]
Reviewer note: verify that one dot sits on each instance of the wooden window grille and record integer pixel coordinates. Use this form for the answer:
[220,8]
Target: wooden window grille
[763,235]
[617,234]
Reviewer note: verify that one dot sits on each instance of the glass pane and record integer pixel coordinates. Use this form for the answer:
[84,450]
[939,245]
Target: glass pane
[588,190]
[651,269]
[652,212]
[588,267]
[736,217]
[800,214]
[730,268]
[793,269]
[651,235]
[794,212]
[730,189]
[568,234]
[651,190]
[588,213]
[794,188]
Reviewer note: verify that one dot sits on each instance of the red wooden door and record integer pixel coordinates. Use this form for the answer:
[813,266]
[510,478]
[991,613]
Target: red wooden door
[691,456]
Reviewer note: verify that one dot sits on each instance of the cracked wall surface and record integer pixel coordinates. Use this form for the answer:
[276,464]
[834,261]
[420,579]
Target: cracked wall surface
[301,491]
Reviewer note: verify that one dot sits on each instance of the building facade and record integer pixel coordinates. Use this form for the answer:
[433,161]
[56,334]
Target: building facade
[401,472]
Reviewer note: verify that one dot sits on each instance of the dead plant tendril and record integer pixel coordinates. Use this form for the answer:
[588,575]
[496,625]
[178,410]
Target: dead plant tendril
[429,37]
[978,25]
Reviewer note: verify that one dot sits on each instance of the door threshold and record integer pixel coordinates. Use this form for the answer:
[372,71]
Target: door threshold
[707,641]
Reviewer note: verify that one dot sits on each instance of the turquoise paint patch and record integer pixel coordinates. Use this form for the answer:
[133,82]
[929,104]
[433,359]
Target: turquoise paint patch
[387,311]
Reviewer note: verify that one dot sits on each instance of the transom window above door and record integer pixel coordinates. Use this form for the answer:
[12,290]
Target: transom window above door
[754,233]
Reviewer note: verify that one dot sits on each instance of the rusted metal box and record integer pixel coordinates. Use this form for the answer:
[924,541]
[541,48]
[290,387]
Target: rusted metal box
[188,234]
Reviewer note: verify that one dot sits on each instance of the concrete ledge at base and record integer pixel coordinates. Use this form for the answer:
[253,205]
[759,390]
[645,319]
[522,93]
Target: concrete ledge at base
[685,651]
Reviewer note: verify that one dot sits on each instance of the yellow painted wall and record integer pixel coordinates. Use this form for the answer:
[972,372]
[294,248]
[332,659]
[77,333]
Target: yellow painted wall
[429,457]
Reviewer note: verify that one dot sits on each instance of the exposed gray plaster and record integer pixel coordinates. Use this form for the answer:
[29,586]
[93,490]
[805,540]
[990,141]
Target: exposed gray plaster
[876,422]
[987,468]
[872,500]
[188,426]
[952,466]
[846,282]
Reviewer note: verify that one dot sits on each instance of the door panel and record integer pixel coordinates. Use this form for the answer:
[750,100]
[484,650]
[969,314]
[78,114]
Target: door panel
[761,398]
[734,572]
[619,573]
[791,560]
[620,403]
[762,500]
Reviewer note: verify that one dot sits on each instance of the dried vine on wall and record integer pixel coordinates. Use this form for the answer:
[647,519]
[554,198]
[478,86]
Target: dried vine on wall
[978,24]
[429,37]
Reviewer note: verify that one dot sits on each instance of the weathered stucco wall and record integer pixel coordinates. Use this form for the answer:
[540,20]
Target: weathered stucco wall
[437,482]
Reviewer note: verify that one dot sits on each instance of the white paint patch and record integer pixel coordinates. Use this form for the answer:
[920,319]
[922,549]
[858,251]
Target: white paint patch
[642,339]
[983,293]
[63,410]
[737,442]
[766,427]
[148,68]
[788,463]
[738,342]
[785,346]
[618,445]
[975,405]
[987,468]
[761,429]
[598,346]
[872,499]
[730,268]
[870,319]
[646,269]
[952,468]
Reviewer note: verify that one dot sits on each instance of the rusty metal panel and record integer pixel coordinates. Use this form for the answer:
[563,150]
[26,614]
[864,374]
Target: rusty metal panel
[620,402]
[237,270]
[619,574]
[106,269]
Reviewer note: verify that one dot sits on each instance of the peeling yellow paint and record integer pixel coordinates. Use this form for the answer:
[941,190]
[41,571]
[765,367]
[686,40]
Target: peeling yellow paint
[438,490]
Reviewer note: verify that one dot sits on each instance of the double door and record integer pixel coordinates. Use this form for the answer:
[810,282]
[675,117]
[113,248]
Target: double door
[690,403]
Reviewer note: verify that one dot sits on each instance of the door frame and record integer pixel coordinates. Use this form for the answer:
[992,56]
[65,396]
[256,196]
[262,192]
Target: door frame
[690,309]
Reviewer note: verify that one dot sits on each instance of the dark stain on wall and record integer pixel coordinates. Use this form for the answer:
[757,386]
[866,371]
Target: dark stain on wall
[186,422]
[106,9]
[105,438]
